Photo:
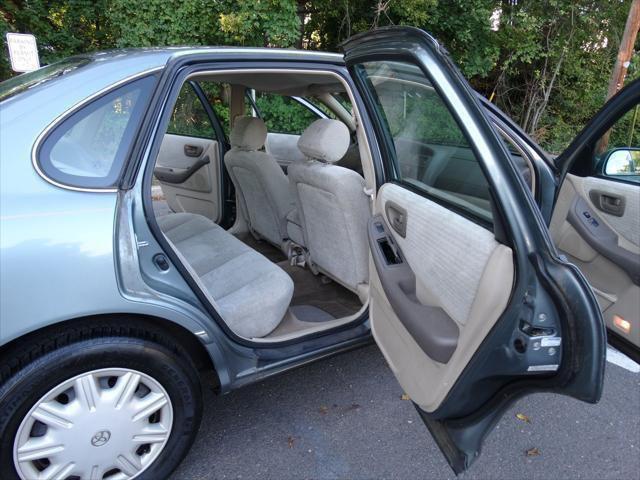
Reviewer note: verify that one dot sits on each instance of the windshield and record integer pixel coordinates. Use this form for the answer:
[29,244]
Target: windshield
[18,84]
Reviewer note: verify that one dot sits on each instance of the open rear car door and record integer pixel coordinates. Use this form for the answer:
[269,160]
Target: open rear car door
[471,304]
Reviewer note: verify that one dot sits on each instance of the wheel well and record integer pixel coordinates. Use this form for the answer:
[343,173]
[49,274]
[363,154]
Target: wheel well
[23,350]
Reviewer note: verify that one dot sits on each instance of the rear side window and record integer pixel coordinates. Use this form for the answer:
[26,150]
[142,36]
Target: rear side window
[89,148]
[283,114]
[189,116]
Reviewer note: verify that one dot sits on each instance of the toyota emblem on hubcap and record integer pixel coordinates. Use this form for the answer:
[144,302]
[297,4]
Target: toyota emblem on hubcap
[100,438]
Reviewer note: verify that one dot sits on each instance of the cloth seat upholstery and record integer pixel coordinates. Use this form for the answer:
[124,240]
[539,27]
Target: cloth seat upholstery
[251,293]
[332,206]
[262,187]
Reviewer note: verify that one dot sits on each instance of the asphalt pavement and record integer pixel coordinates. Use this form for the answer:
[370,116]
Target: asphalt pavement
[344,417]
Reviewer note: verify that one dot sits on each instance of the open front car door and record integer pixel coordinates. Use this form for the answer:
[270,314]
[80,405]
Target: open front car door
[596,218]
[471,304]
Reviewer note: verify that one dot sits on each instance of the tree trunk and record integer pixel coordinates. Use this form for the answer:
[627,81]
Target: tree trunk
[546,92]
[302,13]
[622,61]
[626,50]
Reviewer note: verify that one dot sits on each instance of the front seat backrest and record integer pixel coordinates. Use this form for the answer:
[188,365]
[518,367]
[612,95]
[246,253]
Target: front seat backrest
[332,206]
[262,187]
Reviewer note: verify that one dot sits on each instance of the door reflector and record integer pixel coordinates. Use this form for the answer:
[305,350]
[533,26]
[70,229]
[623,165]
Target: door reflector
[622,324]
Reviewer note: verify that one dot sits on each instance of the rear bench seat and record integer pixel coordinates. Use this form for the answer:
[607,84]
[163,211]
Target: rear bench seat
[251,293]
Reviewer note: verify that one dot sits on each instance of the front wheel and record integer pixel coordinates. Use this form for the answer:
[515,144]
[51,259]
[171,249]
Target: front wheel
[105,408]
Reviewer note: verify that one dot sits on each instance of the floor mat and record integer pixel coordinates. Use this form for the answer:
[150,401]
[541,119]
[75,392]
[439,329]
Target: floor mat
[310,314]
[309,289]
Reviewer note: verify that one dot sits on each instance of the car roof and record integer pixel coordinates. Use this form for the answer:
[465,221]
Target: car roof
[92,72]
[159,56]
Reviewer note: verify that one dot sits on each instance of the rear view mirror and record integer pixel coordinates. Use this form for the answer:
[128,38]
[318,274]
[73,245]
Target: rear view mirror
[623,162]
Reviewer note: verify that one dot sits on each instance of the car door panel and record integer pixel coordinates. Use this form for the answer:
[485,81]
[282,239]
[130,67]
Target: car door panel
[462,275]
[606,247]
[625,222]
[188,170]
[470,303]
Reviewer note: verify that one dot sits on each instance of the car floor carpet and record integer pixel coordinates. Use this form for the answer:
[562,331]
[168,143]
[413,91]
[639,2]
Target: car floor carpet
[260,246]
[316,291]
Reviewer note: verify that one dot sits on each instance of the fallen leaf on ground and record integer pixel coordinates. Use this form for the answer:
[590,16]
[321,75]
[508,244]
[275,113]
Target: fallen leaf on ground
[533,452]
[290,441]
[523,417]
[404,396]
[323,410]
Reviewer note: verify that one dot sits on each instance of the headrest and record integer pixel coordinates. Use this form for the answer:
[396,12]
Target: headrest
[325,140]
[248,133]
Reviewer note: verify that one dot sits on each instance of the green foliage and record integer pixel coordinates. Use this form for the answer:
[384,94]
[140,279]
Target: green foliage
[509,50]
[189,117]
[412,108]
[555,62]
[205,22]
[218,97]
[463,26]
[283,115]
[164,22]
[546,62]
[626,131]
[114,120]
[5,68]
[62,28]
[263,23]
[330,22]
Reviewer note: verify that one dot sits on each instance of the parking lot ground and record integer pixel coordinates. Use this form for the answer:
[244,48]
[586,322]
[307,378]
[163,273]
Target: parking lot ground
[343,417]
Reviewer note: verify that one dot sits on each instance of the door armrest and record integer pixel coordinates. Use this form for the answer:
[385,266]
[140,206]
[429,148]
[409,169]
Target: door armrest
[433,330]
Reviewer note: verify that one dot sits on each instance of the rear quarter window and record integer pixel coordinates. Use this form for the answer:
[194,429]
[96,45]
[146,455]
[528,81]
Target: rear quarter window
[89,147]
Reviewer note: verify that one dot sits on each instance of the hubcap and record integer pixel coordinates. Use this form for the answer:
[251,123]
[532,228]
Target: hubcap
[106,424]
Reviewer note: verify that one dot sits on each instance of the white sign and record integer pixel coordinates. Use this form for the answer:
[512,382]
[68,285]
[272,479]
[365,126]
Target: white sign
[23,52]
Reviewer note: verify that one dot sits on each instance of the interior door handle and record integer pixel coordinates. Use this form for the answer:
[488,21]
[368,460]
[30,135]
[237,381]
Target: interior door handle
[608,202]
[193,150]
[179,175]
[431,327]
[397,218]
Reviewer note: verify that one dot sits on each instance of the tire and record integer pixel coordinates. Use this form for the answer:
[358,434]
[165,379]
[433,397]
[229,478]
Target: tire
[108,360]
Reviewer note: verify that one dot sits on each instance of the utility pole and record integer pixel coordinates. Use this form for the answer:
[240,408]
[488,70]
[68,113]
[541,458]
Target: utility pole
[622,61]
[626,50]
